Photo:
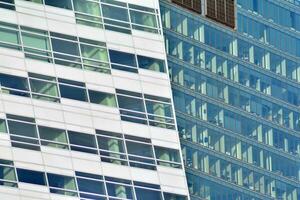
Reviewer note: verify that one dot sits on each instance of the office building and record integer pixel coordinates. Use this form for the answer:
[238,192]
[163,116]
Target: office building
[86,109]
[235,72]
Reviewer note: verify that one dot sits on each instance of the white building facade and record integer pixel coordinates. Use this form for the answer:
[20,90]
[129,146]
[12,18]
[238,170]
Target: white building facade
[86,109]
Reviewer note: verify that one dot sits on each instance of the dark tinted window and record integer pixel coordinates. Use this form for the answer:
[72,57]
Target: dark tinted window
[71,91]
[33,177]
[14,82]
[144,194]
[82,142]
[59,3]
[7,4]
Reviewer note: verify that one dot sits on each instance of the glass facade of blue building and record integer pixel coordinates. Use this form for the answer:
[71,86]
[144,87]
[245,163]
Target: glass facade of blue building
[237,96]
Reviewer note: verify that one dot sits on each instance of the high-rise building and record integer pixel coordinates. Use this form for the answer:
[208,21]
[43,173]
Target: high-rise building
[86,108]
[235,72]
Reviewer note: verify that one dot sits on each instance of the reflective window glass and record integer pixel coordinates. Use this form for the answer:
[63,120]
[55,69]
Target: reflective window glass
[33,177]
[14,85]
[60,184]
[7,174]
[88,13]
[151,63]
[115,189]
[170,196]
[53,137]
[82,142]
[172,156]
[131,103]
[59,3]
[36,44]
[66,50]
[102,98]
[7,4]
[144,194]
[90,185]
[139,149]
[116,13]
[111,147]
[123,61]
[147,20]
[95,55]
[43,87]
[9,35]
[72,90]
[3,128]
[23,134]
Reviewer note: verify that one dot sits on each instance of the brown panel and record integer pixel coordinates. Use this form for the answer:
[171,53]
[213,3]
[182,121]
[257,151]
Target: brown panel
[211,9]
[194,5]
[230,19]
[221,11]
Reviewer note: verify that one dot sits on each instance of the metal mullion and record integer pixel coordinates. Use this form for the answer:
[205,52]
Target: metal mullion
[24,122]
[143,11]
[125,149]
[42,80]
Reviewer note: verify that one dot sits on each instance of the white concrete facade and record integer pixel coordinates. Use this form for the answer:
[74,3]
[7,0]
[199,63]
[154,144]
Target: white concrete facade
[82,116]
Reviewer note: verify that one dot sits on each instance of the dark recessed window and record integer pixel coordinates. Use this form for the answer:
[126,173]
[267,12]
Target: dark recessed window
[33,177]
[59,3]
[123,61]
[82,142]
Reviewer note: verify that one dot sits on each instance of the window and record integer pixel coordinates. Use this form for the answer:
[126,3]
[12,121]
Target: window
[66,50]
[88,13]
[7,174]
[44,87]
[7,4]
[143,21]
[111,147]
[72,90]
[115,13]
[167,157]
[9,35]
[36,44]
[151,64]
[14,85]
[32,177]
[82,142]
[64,185]
[95,55]
[53,137]
[139,153]
[36,1]
[159,111]
[90,186]
[102,98]
[3,128]
[119,188]
[59,3]
[23,133]
[116,18]
[123,61]
[131,107]
[146,194]
[170,196]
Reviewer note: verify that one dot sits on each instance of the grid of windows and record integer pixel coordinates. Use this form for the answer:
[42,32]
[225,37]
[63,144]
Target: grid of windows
[84,185]
[109,14]
[134,107]
[111,147]
[202,32]
[228,93]
[236,101]
[273,12]
[145,109]
[73,51]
